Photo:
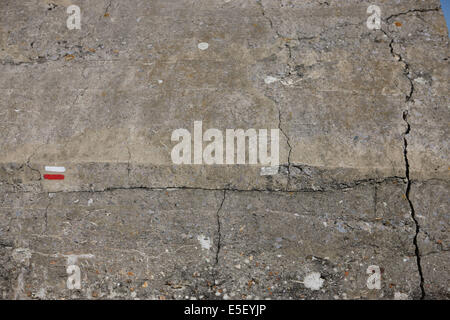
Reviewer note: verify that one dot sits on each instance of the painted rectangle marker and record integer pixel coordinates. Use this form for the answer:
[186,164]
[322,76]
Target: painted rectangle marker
[55,169]
[54,176]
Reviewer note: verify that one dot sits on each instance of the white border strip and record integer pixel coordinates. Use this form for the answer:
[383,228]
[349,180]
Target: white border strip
[55,169]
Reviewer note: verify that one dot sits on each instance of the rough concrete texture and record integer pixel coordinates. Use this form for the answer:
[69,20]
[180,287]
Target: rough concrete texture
[364,175]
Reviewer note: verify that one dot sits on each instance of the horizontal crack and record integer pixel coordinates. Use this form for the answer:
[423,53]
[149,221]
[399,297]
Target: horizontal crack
[411,11]
[329,188]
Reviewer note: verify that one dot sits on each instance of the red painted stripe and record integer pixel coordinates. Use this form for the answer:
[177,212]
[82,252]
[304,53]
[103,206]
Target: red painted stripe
[54,176]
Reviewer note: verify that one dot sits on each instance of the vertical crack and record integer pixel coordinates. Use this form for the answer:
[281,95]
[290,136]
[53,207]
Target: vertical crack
[46,215]
[406,67]
[263,12]
[31,156]
[288,141]
[81,93]
[289,152]
[128,163]
[219,244]
[408,98]
[106,13]
[375,200]
[107,7]
[411,206]
[28,165]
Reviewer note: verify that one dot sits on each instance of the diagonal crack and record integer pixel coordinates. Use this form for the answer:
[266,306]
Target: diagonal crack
[27,164]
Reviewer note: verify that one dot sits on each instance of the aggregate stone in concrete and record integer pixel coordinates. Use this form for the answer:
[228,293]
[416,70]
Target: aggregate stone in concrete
[364,165]
[142,243]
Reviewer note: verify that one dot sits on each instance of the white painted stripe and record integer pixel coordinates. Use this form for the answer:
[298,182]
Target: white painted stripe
[55,169]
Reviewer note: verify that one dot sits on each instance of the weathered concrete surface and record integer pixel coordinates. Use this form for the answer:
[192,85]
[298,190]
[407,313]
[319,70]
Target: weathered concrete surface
[364,121]
[431,204]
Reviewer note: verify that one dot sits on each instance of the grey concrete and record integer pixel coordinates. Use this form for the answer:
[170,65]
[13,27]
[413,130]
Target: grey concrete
[364,175]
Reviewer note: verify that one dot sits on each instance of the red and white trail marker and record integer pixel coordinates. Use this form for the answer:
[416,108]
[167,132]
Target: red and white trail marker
[56,173]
